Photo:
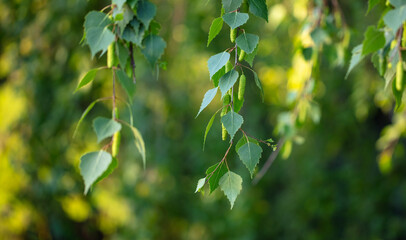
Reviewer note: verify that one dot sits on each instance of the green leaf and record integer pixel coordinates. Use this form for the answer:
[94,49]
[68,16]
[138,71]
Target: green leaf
[84,114]
[215,29]
[231,5]
[227,81]
[105,127]
[154,27]
[396,3]
[355,58]
[200,184]
[250,154]
[379,62]
[92,166]
[139,143]
[126,83]
[89,76]
[394,18]
[128,15]
[249,58]
[216,62]
[372,4]
[216,77]
[154,48]
[237,103]
[259,8]
[214,178]
[232,121]
[208,97]
[135,24]
[146,12]
[373,41]
[113,165]
[98,36]
[208,128]
[247,42]
[134,32]
[259,85]
[235,19]
[96,19]
[123,54]
[231,185]
[243,140]
[99,39]
[118,17]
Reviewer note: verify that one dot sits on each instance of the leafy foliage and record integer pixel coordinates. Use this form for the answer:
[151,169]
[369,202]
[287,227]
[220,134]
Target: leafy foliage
[128,23]
[225,76]
[387,42]
[335,158]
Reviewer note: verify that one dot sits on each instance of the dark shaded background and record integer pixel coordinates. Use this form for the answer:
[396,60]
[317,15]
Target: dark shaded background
[329,188]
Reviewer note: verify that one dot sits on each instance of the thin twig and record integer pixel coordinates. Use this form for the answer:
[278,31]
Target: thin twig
[281,141]
[269,162]
[259,140]
[105,8]
[218,165]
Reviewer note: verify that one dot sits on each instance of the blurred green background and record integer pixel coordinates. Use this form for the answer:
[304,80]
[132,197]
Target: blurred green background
[330,187]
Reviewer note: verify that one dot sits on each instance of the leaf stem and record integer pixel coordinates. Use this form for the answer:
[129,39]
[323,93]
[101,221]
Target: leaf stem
[219,164]
[259,140]
[103,9]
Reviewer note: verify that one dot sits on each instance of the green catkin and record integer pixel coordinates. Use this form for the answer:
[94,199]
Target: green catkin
[233,34]
[223,129]
[110,55]
[229,66]
[223,133]
[116,140]
[404,36]
[241,87]
[242,56]
[226,101]
[399,75]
